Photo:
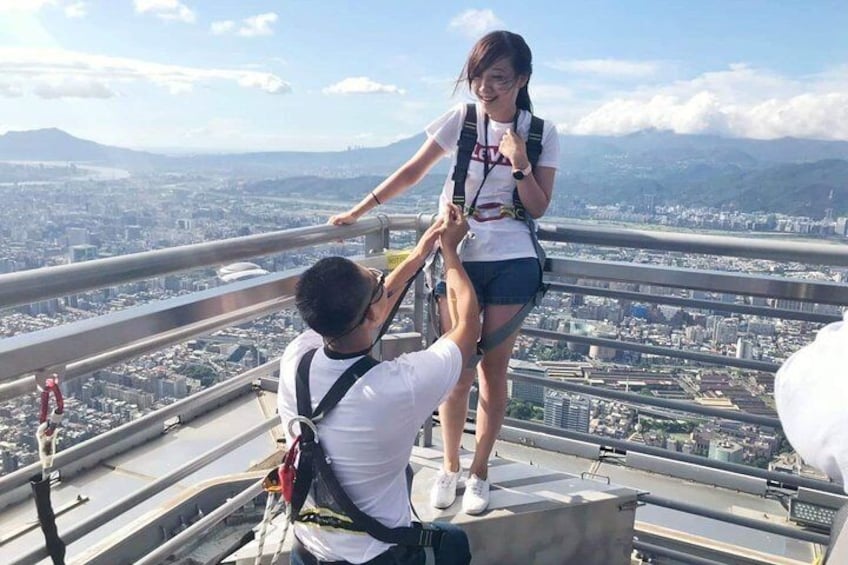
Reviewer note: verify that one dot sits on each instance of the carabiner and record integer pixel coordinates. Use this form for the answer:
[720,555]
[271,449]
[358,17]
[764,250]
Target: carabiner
[46,434]
[51,384]
[302,420]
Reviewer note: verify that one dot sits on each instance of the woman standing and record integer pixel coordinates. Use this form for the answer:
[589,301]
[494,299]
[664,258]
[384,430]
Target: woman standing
[500,258]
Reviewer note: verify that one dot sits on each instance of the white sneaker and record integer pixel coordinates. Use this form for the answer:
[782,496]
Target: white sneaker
[476,497]
[443,492]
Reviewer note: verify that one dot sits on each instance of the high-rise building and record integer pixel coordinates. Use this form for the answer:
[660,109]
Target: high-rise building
[841,226]
[727,451]
[77,236]
[78,253]
[726,331]
[570,413]
[522,390]
[132,232]
[744,349]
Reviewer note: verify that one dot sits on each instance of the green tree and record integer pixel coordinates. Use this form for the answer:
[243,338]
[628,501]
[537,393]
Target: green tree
[203,373]
[519,410]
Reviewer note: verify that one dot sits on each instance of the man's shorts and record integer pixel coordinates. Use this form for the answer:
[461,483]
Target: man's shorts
[513,281]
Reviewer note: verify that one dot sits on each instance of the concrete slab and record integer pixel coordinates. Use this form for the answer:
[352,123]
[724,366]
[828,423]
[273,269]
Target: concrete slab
[536,515]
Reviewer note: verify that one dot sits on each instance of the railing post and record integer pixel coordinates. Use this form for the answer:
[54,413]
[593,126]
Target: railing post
[425,439]
[377,243]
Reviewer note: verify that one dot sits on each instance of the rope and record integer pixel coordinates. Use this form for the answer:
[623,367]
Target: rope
[286,522]
[270,504]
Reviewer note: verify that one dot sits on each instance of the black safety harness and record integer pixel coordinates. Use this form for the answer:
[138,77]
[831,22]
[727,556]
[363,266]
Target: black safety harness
[314,471]
[465,149]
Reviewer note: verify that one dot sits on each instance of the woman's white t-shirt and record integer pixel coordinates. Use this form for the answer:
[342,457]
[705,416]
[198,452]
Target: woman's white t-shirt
[506,238]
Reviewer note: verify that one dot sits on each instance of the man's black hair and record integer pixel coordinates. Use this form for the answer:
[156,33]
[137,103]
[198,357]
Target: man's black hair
[331,295]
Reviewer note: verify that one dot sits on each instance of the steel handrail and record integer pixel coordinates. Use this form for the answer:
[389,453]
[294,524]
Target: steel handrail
[634,398]
[731,518]
[696,303]
[709,358]
[778,479]
[724,245]
[699,279]
[91,523]
[108,444]
[25,287]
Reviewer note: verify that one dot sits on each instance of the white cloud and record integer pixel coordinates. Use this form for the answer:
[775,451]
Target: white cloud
[76,10]
[474,23]
[222,27]
[254,26]
[52,72]
[607,67]
[10,90]
[169,10]
[361,85]
[24,6]
[258,25]
[739,101]
[66,87]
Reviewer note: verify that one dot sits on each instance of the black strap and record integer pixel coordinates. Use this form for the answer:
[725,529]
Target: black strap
[305,468]
[313,460]
[390,318]
[411,535]
[47,519]
[534,150]
[333,396]
[465,147]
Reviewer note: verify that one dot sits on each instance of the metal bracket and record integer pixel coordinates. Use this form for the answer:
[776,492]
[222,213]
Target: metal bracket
[377,242]
[630,505]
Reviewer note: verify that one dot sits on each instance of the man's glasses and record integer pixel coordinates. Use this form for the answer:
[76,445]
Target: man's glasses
[376,293]
[379,288]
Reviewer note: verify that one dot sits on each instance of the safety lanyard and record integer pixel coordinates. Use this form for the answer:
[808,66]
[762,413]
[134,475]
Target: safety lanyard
[486,167]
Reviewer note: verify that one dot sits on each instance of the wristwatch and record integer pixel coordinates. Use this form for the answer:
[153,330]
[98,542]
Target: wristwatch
[519,174]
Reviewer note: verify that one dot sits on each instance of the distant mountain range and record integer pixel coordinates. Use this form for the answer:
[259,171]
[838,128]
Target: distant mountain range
[789,175]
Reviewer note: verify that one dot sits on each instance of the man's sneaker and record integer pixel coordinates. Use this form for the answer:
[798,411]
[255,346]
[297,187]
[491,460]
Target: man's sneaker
[476,497]
[443,492]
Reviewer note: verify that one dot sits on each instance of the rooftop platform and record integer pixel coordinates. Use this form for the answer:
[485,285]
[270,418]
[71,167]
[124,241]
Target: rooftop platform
[531,512]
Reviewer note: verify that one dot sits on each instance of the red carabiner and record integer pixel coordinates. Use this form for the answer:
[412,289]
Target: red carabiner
[51,384]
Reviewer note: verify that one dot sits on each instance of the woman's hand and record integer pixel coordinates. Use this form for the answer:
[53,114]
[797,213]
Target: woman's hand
[456,226]
[428,238]
[515,149]
[343,219]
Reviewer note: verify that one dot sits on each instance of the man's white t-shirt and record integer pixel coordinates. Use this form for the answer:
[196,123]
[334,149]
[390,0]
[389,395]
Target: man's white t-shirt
[501,239]
[369,434]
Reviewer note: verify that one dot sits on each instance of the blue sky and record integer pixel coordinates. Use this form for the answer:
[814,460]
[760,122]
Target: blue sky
[320,75]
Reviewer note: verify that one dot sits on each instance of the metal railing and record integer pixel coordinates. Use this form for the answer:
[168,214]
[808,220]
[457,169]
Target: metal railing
[82,347]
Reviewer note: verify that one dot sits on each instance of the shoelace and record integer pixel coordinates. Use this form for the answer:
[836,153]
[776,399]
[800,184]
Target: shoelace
[477,487]
[445,480]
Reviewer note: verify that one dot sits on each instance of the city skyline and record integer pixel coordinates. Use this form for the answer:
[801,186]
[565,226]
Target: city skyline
[261,75]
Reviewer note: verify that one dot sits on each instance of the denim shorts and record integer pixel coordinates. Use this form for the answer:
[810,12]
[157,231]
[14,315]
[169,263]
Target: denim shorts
[513,281]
